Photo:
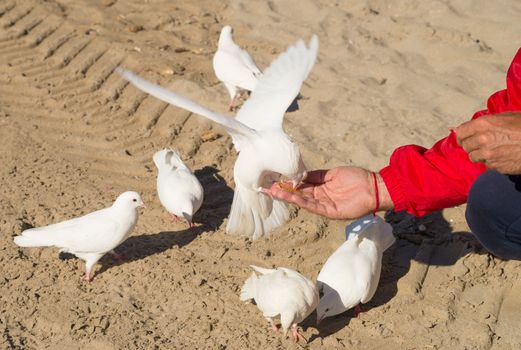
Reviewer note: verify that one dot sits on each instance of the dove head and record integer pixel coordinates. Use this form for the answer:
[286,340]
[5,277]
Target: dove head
[284,158]
[330,304]
[129,200]
[226,35]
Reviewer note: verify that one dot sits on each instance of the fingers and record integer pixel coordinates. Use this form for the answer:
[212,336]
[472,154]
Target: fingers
[464,131]
[302,198]
[472,128]
[473,143]
[481,155]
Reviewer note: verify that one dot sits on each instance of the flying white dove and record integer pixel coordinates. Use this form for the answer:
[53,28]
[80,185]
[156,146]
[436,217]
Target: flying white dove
[179,190]
[234,66]
[282,292]
[351,274]
[265,150]
[91,236]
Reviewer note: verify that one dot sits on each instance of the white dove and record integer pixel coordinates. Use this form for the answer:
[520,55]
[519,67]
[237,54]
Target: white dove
[282,292]
[91,236]
[179,190]
[234,66]
[351,274]
[265,150]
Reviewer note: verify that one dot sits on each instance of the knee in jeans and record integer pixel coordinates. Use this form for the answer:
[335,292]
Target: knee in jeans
[480,199]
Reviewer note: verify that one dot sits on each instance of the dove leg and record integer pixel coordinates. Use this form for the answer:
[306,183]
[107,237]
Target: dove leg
[274,326]
[175,218]
[231,106]
[88,275]
[358,311]
[90,261]
[232,90]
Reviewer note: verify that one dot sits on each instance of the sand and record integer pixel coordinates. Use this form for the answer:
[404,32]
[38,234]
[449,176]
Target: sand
[389,73]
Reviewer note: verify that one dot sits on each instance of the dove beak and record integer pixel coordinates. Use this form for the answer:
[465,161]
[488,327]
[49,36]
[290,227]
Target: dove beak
[143,205]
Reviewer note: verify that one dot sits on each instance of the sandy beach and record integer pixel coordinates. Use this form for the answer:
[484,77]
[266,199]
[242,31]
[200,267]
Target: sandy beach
[74,134]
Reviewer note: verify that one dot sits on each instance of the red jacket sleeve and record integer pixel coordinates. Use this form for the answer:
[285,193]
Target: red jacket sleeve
[422,180]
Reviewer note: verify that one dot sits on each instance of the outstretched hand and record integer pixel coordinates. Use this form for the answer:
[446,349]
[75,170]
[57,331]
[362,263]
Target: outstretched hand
[494,140]
[338,193]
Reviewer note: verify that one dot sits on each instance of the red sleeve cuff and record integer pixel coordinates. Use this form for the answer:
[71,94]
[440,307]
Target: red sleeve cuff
[394,188]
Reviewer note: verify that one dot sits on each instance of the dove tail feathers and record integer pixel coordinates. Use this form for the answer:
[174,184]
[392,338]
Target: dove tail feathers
[31,241]
[175,159]
[254,214]
[168,159]
[373,228]
[249,288]
[262,270]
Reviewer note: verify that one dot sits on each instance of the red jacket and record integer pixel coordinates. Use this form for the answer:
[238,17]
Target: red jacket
[423,180]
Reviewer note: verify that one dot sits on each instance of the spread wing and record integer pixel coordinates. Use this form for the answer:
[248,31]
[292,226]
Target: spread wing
[278,87]
[237,130]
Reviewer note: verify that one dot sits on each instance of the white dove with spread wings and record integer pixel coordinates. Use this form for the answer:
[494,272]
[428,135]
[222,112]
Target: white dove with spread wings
[265,150]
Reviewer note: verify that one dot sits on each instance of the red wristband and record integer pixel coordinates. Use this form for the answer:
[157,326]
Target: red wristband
[377,197]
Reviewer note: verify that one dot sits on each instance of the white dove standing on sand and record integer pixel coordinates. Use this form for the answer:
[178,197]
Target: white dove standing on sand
[351,274]
[234,66]
[91,236]
[282,292]
[179,190]
[265,150]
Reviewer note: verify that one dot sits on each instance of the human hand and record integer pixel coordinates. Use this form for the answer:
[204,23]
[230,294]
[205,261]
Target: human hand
[494,140]
[338,193]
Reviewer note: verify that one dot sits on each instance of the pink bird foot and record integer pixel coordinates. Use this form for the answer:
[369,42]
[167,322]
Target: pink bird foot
[87,277]
[176,218]
[358,311]
[295,335]
[231,106]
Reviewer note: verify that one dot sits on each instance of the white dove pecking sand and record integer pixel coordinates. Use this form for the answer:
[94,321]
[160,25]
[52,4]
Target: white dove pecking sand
[234,66]
[91,236]
[265,150]
[283,292]
[179,190]
[351,274]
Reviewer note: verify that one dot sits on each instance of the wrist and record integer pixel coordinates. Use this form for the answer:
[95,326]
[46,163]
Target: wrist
[386,203]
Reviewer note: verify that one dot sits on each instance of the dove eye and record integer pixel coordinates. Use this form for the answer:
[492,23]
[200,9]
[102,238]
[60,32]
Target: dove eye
[134,200]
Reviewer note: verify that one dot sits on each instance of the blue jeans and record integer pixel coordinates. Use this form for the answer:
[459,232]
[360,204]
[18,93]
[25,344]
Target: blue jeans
[494,213]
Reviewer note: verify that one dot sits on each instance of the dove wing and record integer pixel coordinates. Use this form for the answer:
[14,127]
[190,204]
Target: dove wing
[247,60]
[231,68]
[237,130]
[87,233]
[271,289]
[278,87]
